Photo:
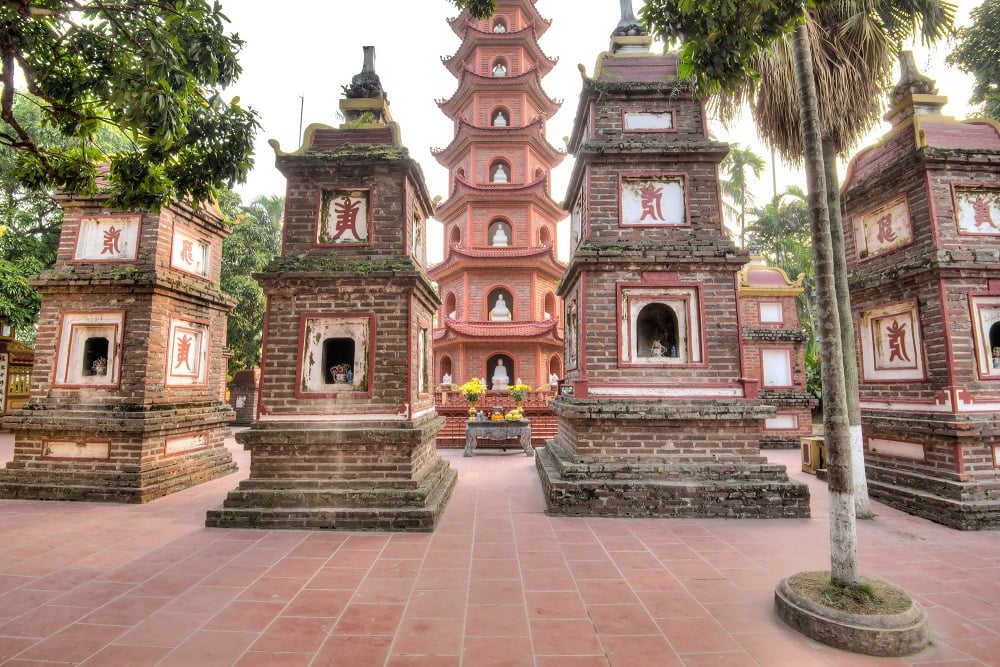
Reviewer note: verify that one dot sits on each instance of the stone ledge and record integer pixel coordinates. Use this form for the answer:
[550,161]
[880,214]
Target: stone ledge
[286,511]
[669,497]
[659,409]
[889,635]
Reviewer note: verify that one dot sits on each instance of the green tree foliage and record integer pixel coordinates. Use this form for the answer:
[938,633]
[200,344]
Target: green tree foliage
[736,167]
[31,220]
[731,35]
[255,241]
[478,8]
[150,68]
[978,52]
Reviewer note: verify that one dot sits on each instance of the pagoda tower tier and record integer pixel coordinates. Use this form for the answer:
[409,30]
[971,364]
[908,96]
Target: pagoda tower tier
[655,417]
[346,424]
[922,221]
[128,385]
[500,318]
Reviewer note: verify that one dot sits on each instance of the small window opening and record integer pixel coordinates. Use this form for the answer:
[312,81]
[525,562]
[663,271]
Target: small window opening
[656,329]
[95,356]
[338,360]
[499,25]
[500,68]
[499,172]
[995,345]
[499,118]
[499,234]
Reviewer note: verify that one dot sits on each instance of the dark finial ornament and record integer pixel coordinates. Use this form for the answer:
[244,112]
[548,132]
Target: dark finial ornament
[911,80]
[629,25]
[366,84]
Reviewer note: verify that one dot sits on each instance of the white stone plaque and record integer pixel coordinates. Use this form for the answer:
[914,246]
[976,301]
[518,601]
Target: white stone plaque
[891,343]
[648,121]
[978,210]
[344,217]
[190,253]
[69,449]
[653,201]
[108,239]
[187,353]
[183,443]
[883,229]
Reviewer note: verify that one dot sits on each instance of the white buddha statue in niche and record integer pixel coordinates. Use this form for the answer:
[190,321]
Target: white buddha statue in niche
[500,120]
[499,237]
[500,312]
[500,377]
[446,380]
[500,175]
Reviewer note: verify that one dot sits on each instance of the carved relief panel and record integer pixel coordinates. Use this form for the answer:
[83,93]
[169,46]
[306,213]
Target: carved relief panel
[891,343]
[344,218]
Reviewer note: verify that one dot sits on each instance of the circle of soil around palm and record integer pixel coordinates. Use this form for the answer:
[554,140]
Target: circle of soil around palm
[879,619]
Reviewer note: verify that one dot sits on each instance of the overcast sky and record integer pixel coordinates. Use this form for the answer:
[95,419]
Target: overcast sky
[298,54]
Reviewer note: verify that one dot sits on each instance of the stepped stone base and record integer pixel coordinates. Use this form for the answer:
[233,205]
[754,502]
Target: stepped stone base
[122,455]
[921,479]
[971,504]
[340,476]
[663,459]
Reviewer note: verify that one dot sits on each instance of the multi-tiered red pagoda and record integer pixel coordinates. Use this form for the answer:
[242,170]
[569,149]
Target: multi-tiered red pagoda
[501,319]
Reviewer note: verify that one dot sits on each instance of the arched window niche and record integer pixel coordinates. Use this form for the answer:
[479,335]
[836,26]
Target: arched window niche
[500,371]
[500,305]
[499,234]
[446,370]
[660,325]
[451,306]
[545,236]
[499,25]
[499,171]
[499,68]
[500,117]
[550,306]
[456,235]
[656,332]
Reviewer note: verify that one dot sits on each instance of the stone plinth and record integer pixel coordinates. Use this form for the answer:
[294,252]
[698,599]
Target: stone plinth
[347,476]
[650,458]
[95,453]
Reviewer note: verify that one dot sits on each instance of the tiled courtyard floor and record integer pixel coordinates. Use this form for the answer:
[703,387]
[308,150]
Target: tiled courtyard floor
[498,583]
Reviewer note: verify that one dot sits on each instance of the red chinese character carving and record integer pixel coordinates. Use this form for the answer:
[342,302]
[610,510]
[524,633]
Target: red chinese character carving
[183,352]
[981,212]
[111,237]
[651,196]
[347,218]
[885,231]
[187,251]
[897,341]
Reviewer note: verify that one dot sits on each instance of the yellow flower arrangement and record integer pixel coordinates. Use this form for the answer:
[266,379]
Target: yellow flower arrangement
[474,390]
[519,391]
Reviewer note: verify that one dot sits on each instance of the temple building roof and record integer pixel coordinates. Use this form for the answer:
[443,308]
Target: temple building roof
[918,124]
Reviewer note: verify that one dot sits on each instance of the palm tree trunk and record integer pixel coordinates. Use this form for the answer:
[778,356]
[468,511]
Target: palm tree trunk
[836,427]
[862,504]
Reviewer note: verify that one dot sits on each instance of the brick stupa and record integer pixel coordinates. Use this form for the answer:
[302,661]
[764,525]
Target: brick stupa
[127,402]
[345,432]
[922,220]
[654,417]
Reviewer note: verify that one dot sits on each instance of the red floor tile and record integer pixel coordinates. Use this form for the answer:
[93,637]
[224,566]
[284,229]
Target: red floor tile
[248,616]
[427,637]
[493,620]
[498,583]
[74,644]
[294,635]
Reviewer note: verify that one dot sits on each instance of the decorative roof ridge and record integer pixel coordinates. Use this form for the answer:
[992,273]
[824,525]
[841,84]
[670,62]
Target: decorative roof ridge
[493,329]
[523,132]
[532,73]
